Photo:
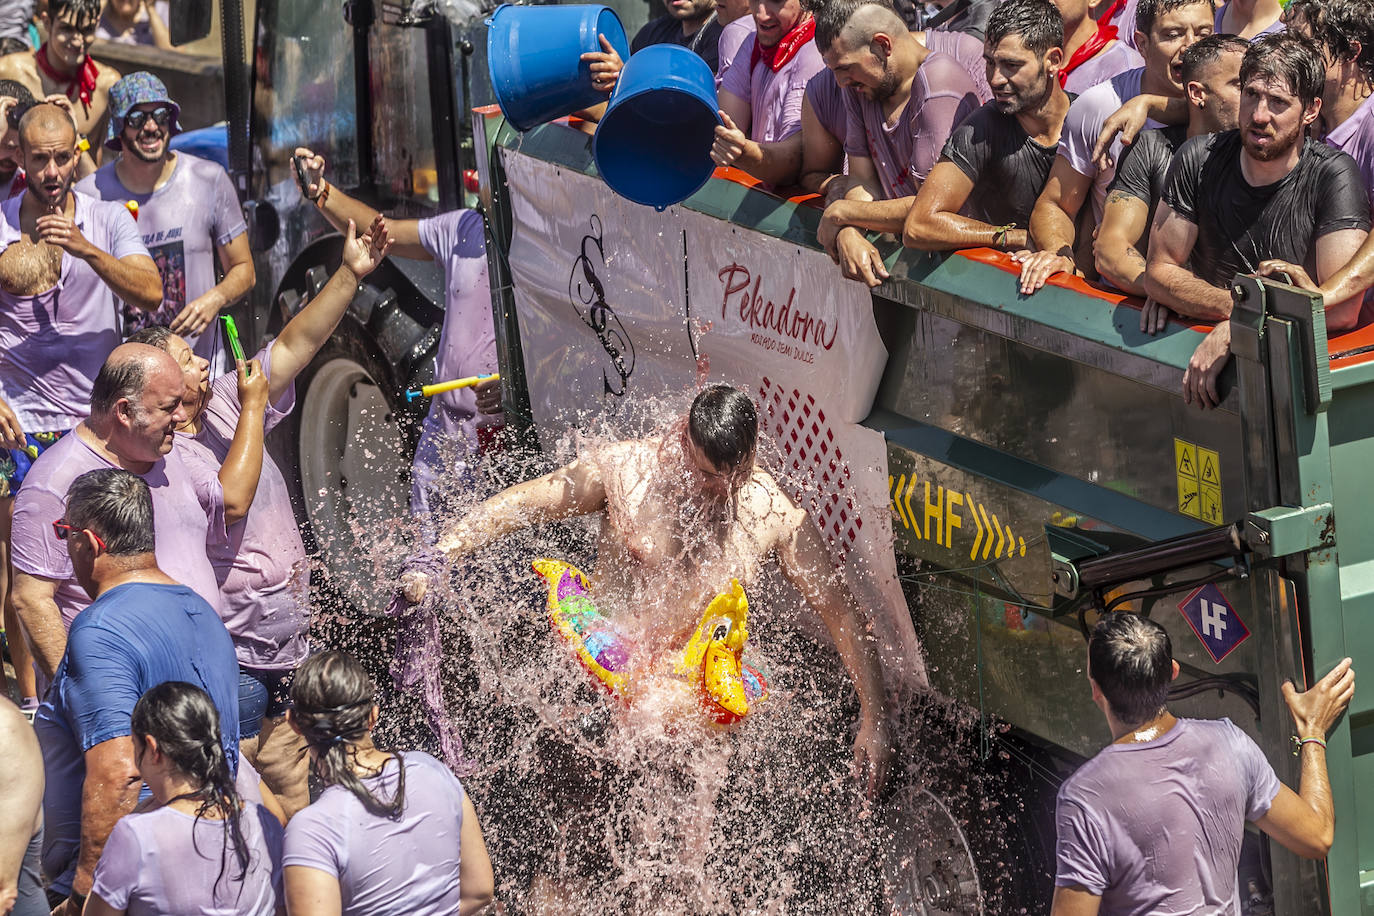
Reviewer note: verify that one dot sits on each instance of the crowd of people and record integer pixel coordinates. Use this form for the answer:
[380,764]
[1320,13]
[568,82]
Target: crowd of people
[155,582]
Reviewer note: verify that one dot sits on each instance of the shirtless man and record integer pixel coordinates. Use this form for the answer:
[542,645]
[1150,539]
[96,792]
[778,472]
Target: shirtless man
[63,66]
[730,515]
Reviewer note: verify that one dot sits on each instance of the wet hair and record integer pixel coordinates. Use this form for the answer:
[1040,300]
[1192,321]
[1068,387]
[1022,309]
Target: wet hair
[1336,25]
[23,99]
[724,425]
[117,379]
[833,15]
[155,335]
[183,719]
[1289,59]
[116,505]
[1130,658]
[1037,23]
[1148,11]
[332,699]
[1208,51]
[80,12]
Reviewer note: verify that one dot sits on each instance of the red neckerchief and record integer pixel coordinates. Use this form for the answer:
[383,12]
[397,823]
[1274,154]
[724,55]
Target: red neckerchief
[1104,36]
[791,44]
[82,85]
[1116,7]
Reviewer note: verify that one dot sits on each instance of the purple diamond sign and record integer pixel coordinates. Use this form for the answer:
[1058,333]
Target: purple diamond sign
[1214,621]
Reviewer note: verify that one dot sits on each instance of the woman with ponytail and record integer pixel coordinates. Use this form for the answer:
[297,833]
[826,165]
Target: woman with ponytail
[390,833]
[201,850]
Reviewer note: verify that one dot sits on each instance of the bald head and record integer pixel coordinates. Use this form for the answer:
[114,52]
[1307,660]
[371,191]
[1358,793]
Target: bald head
[127,371]
[46,123]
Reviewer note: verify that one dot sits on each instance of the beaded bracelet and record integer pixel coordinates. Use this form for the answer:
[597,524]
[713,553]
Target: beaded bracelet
[999,237]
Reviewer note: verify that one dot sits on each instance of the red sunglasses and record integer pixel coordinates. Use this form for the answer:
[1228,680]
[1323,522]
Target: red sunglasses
[63,531]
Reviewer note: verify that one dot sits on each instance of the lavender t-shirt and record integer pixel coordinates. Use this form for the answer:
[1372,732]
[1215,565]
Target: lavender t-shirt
[1083,124]
[968,51]
[732,38]
[182,223]
[168,861]
[827,102]
[1355,135]
[1117,58]
[188,506]
[904,150]
[775,98]
[260,560]
[1275,26]
[53,344]
[1157,827]
[384,867]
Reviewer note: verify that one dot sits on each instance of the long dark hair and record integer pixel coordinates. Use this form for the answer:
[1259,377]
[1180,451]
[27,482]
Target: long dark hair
[183,719]
[332,699]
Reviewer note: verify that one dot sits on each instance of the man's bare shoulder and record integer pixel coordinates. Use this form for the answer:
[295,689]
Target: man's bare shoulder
[767,498]
[105,75]
[22,68]
[14,727]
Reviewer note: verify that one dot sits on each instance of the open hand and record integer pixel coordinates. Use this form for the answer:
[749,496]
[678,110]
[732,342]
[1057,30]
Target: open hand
[61,101]
[1200,378]
[61,230]
[1128,121]
[1316,709]
[362,254]
[858,259]
[192,320]
[1039,266]
[606,66]
[730,142]
[1154,317]
[1297,274]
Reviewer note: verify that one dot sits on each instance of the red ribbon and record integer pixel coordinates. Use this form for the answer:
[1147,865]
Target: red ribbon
[791,44]
[82,85]
[1105,35]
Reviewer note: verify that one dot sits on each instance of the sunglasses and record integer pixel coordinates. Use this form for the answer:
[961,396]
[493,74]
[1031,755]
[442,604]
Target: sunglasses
[136,119]
[63,531]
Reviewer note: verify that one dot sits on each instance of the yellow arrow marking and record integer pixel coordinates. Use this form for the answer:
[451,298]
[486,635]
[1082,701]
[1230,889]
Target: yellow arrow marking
[1022,542]
[998,526]
[987,544]
[977,539]
[910,489]
[1011,541]
[897,502]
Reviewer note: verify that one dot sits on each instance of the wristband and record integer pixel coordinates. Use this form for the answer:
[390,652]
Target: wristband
[83,145]
[999,236]
[321,197]
[1299,743]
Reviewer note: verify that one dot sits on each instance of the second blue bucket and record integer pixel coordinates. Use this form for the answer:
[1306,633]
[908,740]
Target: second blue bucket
[534,55]
[653,144]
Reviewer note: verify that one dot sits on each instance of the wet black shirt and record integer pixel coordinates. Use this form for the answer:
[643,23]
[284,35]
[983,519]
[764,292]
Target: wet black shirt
[1007,167]
[665,30]
[1238,225]
[1145,164]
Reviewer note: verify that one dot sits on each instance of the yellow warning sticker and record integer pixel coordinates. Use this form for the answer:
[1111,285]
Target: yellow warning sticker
[1199,481]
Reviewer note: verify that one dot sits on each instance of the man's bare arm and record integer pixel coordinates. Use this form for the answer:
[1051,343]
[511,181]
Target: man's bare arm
[1168,281]
[339,208]
[1116,250]
[935,224]
[1352,279]
[863,205]
[1052,226]
[35,600]
[778,163]
[1074,901]
[109,792]
[822,154]
[239,276]
[21,797]
[133,278]
[1130,119]
[1334,251]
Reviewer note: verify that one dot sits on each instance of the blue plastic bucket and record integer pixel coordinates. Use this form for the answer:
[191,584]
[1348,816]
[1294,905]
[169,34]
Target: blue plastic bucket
[533,54]
[653,145]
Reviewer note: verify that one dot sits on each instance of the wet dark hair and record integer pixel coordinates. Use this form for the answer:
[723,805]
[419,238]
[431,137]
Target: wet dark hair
[1150,10]
[155,335]
[116,505]
[833,15]
[80,12]
[724,425]
[1336,25]
[332,699]
[1130,658]
[1208,51]
[183,719]
[116,380]
[23,99]
[1037,23]
[1289,59]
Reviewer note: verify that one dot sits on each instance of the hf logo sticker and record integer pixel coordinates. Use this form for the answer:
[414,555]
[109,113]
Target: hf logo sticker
[1214,621]
[1199,481]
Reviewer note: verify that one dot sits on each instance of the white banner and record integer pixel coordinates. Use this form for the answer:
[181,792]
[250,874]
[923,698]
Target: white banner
[617,302]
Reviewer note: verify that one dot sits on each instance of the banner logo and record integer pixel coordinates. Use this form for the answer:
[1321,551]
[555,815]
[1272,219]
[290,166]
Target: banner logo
[588,298]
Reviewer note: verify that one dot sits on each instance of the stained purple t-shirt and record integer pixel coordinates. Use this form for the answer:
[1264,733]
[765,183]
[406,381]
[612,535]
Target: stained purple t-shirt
[968,51]
[53,344]
[1355,135]
[1275,26]
[827,102]
[168,861]
[1117,58]
[904,150]
[188,506]
[1157,827]
[732,37]
[260,560]
[410,865]
[182,223]
[775,98]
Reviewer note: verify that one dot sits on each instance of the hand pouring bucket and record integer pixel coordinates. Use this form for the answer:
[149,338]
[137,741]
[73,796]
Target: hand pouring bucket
[533,53]
[653,145]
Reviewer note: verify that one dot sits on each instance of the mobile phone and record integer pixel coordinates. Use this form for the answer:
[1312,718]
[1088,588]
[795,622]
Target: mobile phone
[300,177]
[232,332]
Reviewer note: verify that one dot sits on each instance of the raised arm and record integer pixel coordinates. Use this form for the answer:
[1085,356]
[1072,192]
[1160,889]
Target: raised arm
[310,328]
[242,467]
[133,278]
[338,208]
[1052,229]
[1305,821]
[935,223]
[806,564]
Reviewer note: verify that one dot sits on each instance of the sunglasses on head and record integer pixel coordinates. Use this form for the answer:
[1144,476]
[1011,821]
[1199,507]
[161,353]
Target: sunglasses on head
[63,531]
[136,119]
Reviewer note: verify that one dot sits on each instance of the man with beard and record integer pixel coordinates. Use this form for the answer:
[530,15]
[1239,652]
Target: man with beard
[1164,30]
[188,212]
[689,23]
[64,65]
[656,571]
[902,103]
[982,190]
[1234,199]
